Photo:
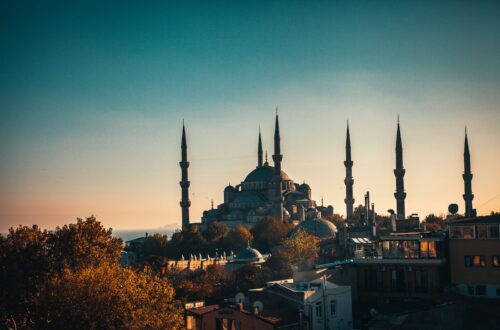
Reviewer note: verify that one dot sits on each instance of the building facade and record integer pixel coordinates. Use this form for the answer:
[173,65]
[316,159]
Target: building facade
[475,256]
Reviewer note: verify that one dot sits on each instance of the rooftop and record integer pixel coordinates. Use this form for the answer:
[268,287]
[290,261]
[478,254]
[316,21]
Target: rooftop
[487,219]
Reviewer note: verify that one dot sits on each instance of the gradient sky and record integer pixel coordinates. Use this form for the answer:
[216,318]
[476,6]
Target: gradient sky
[92,97]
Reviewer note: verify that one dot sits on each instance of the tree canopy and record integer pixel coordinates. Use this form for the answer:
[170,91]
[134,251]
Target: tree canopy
[107,297]
[269,232]
[71,277]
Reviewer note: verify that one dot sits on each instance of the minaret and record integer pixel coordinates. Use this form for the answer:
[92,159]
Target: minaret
[349,181]
[468,195]
[185,203]
[399,172]
[259,152]
[277,157]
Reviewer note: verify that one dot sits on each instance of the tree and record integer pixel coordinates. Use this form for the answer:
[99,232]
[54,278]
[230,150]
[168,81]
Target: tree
[278,266]
[107,296]
[24,264]
[301,250]
[83,244]
[337,219]
[248,277]
[433,222]
[215,231]
[155,245]
[237,238]
[269,232]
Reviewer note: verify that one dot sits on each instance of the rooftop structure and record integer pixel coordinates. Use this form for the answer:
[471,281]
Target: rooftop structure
[474,250]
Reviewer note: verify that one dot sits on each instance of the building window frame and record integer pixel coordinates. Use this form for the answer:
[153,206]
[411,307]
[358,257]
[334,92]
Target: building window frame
[480,290]
[333,307]
[482,231]
[319,310]
[470,290]
[475,261]
[463,232]
[495,261]
[493,232]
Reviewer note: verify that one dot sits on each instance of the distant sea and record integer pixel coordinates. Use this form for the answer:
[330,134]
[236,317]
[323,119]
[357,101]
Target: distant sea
[128,234]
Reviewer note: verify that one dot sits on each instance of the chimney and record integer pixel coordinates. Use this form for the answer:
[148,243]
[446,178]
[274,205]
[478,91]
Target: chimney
[374,223]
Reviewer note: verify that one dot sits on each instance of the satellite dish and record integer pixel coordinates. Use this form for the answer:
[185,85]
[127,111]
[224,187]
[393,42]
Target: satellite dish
[258,306]
[453,208]
[239,298]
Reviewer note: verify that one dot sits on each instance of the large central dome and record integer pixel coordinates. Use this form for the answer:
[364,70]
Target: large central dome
[264,173]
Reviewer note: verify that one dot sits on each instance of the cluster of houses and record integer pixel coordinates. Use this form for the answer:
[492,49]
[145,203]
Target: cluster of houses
[398,279]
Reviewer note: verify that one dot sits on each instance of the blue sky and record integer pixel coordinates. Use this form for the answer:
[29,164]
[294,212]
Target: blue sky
[92,95]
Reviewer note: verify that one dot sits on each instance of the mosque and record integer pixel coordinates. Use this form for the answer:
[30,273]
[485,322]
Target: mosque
[267,191]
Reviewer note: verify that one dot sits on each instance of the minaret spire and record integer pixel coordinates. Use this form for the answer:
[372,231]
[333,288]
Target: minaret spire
[277,182]
[349,181]
[259,151]
[399,172]
[468,195]
[277,157]
[184,183]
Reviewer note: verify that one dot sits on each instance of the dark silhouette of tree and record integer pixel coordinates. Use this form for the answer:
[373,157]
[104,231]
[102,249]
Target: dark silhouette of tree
[433,222]
[248,277]
[24,264]
[237,238]
[278,266]
[155,245]
[215,231]
[269,232]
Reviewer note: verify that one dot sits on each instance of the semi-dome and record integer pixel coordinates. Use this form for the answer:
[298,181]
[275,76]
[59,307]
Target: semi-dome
[304,187]
[320,228]
[247,197]
[264,174]
[229,188]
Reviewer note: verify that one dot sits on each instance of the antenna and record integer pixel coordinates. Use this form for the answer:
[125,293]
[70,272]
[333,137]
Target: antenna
[239,298]
[258,306]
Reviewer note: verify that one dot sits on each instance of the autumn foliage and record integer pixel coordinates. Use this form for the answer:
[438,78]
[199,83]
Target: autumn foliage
[70,278]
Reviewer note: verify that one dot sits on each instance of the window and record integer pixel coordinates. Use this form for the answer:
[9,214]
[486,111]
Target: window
[319,310]
[493,232]
[466,232]
[470,290]
[482,231]
[224,324]
[495,261]
[475,261]
[333,307]
[480,290]
[456,232]
[428,249]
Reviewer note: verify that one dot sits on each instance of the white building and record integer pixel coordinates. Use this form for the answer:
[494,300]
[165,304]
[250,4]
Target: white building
[325,305]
